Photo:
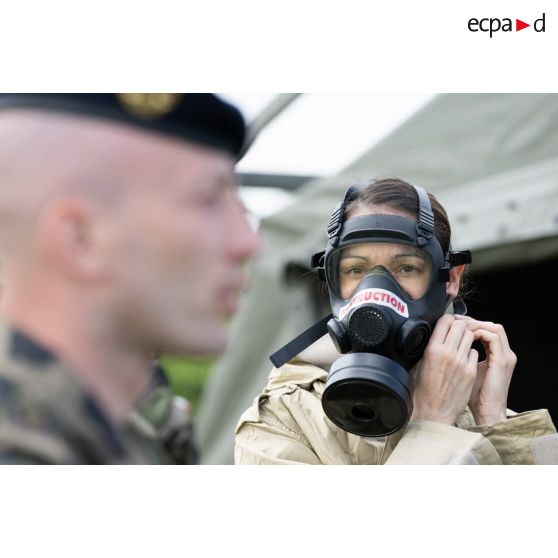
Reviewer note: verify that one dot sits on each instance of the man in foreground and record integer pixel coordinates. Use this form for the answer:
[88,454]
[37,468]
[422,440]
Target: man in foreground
[121,236]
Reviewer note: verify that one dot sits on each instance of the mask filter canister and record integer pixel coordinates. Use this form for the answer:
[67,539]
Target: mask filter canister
[368,394]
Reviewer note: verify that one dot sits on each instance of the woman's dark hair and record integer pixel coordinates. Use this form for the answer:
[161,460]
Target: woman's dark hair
[400,195]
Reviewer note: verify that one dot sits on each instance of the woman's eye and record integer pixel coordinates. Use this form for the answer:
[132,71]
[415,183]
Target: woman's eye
[407,269]
[354,271]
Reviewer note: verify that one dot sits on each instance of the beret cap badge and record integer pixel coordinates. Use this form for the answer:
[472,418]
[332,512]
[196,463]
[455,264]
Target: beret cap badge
[149,105]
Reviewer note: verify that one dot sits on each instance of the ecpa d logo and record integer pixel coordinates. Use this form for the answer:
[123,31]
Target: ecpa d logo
[492,25]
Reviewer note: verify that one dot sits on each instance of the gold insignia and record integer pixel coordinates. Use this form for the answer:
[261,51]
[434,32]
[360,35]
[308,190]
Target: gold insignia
[149,105]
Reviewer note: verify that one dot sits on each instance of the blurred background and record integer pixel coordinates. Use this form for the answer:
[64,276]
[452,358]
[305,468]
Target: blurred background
[492,161]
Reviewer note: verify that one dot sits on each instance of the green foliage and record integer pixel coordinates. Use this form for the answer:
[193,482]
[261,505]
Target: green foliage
[187,376]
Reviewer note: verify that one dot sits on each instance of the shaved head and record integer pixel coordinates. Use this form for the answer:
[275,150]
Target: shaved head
[49,156]
[44,156]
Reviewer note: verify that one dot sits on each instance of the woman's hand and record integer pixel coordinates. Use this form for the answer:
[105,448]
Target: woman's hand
[489,396]
[447,372]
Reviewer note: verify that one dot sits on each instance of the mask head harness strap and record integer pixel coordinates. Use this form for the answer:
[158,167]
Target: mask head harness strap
[425,225]
[336,220]
[425,230]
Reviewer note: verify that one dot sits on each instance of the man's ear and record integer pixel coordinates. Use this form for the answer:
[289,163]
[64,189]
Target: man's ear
[452,288]
[67,238]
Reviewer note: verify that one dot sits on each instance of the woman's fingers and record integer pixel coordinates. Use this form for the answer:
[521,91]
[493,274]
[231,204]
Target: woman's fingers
[473,325]
[493,337]
[491,341]
[452,338]
[473,358]
[455,335]
[442,328]
[465,344]
[489,395]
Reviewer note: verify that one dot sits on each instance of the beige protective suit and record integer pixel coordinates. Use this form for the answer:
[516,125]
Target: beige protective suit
[287,425]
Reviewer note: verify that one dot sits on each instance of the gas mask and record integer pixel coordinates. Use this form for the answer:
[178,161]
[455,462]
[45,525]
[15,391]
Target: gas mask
[386,276]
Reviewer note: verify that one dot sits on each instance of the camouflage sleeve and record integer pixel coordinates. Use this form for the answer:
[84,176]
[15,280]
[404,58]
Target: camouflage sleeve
[19,445]
[9,457]
[170,417]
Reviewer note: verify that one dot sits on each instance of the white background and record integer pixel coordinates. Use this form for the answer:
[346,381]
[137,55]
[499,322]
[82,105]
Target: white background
[270,47]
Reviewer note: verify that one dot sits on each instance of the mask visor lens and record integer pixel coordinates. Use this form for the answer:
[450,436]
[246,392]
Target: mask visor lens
[409,266]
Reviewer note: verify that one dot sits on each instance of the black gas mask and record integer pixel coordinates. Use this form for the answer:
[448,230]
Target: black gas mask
[386,276]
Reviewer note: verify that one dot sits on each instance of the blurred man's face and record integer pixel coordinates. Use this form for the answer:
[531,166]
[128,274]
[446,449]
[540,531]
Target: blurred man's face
[138,234]
[181,243]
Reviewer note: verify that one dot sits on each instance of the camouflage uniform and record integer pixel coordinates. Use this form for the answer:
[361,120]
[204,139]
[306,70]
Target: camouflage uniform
[170,416]
[47,417]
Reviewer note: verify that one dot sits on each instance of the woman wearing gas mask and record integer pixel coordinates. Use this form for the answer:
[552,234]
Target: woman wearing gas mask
[391,376]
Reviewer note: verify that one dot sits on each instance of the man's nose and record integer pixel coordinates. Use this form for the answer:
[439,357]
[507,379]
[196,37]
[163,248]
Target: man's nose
[245,240]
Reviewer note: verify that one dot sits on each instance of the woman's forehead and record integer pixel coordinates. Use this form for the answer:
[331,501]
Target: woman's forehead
[373,209]
[381,249]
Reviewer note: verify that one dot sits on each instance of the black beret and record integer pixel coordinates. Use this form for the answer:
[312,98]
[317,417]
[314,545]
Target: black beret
[199,117]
